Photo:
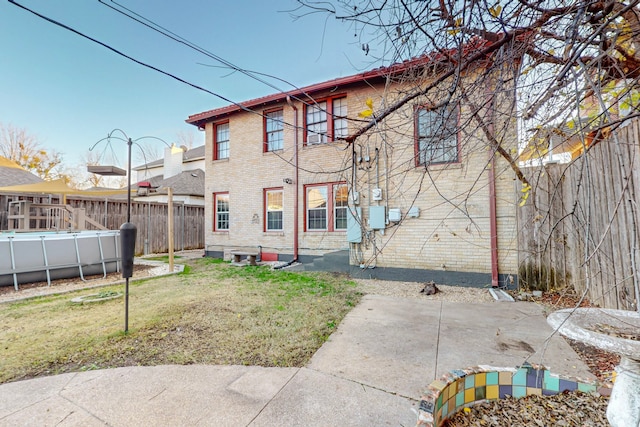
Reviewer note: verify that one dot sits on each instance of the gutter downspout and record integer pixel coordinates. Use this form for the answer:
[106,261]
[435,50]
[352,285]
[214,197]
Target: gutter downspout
[493,222]
[296,195]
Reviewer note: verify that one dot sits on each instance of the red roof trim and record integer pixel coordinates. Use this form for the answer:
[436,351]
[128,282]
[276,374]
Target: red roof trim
[441,57]
[197,119]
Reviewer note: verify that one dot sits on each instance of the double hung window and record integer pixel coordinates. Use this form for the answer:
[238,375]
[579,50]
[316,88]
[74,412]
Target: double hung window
[273,130]
[221,141]
[221,212]
[326,120]
[326,207]
[273,207]
[437,135]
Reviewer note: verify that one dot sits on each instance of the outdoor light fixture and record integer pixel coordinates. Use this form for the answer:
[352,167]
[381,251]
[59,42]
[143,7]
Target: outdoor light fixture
[128,230]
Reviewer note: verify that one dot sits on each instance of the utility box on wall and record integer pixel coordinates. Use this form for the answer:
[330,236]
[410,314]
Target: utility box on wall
[377,217]
[395,215]
[354,231]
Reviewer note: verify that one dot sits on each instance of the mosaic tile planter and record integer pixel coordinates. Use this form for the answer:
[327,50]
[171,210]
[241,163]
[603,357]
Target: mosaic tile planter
[464,387]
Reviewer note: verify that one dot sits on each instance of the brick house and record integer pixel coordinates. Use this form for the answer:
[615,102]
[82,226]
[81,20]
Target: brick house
[417,197]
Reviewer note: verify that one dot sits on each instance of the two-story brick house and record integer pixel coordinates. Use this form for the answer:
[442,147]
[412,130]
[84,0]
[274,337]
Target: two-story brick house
[419,196]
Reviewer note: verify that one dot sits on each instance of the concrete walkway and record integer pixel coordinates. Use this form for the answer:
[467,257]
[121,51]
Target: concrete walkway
[369,373]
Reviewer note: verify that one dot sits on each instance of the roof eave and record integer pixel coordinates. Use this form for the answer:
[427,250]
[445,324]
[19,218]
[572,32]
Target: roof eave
[201,118]
[434,59]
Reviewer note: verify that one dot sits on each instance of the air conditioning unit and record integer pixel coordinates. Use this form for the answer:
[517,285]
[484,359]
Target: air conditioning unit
[316,138]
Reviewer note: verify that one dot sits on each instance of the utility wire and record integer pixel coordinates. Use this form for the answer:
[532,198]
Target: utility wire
[66,27]
[137,61]
[181,40]
[177,38]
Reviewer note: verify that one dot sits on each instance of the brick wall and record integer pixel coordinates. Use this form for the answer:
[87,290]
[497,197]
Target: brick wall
[450,234]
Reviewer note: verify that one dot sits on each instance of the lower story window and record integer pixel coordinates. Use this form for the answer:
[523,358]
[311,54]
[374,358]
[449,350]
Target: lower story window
[221,209]
[273,209]
[326,207]
[341,200]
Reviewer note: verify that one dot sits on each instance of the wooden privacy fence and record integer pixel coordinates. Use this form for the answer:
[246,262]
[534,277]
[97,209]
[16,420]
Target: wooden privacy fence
[151,220]
[580,226]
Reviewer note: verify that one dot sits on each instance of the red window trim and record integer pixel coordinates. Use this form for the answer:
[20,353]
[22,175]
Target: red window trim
[265,144]
[215,138]
[329,109]
[215,212]
[330,204]
[416,136]
[264,209]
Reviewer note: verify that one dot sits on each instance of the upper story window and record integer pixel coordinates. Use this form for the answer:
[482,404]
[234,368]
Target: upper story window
[326,120]
[436,135]
[326,207]
[339,118]
[221,212]
[273,130]
[221,141]
[273,207]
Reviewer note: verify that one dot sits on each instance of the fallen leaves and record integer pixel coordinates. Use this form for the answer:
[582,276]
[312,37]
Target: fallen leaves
[564,409]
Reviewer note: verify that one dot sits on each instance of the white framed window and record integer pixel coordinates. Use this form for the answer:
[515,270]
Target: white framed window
[339,111]
[317,202]
[326,120]
[221,208]
[274,130]
[317,123]
[436,135]
[340,206]
[326,207]
[273,209]
[221,143]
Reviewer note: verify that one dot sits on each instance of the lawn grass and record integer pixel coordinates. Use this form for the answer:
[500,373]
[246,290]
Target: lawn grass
[213,313]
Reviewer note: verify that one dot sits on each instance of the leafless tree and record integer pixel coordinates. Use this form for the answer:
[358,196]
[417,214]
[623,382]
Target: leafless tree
[148,150]
[24,148]
[186,138]
[92,180]
[574,66]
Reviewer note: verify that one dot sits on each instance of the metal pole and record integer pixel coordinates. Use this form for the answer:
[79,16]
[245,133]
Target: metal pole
[126,286]
[126,305]
[130,143]
[170,226]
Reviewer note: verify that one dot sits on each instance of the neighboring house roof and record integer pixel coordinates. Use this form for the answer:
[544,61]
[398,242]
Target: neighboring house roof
[187,183]
[12,173]
[475,48]
[571,138]
[188,156]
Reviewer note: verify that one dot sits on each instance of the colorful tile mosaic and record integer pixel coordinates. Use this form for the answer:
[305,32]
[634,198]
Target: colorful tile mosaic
[464,387]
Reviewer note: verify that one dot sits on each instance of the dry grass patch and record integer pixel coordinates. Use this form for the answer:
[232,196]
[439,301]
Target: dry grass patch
[211,314]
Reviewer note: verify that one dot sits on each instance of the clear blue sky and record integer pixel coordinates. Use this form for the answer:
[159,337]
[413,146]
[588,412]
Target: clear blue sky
[70,92]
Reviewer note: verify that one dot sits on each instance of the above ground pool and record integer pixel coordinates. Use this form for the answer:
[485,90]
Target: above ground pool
[39,256]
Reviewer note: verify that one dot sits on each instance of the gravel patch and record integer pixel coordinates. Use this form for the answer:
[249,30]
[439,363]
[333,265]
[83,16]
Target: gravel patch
[412,290]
